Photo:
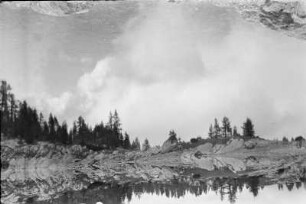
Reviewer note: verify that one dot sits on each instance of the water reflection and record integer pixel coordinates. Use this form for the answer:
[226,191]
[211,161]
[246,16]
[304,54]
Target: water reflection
[224,188]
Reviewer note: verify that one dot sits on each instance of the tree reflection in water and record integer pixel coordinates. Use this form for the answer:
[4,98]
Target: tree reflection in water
[117,194]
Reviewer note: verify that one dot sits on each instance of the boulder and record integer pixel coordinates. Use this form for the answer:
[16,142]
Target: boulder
[213,161]
[169,145]
[251,144]
[153,151]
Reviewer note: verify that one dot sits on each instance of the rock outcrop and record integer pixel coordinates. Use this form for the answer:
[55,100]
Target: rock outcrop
[169,145]
[286,16]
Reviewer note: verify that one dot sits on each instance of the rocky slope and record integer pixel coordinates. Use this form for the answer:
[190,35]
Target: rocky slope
[46,170]
[286,16]
[54,8]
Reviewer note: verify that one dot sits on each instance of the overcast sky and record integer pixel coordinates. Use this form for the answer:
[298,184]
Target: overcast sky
[161,65]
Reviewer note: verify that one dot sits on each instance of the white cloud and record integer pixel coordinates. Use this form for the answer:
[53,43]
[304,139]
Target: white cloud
[47,103]
[178,66]
[94,80]
[59,104]
[171,71]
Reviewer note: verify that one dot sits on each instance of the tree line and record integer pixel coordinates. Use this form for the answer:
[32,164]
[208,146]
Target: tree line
[19,120]
[225,130]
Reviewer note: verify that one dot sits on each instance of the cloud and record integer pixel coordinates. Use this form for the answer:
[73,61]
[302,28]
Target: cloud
[177,66]
[172,71]
[47,103]
[95,80]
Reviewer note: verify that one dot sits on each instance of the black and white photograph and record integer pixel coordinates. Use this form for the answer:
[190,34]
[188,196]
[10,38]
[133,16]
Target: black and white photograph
[153,102]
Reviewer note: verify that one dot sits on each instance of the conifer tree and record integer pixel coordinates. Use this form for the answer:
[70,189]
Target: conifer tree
[110,123]
[64,133]
[74,133]
[127,143]
[51,128]
[235,132]
[116,122]
[13,107]
[211,132]
[226,128]
[217,129]
[82,130]
[146,145]
[136,144]
[248,128]
[118,140]
[20,120]
[45,131]
[41,120]
[4,108]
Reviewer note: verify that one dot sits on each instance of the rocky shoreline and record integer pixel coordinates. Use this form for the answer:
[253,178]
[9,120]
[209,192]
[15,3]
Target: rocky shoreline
[46,170]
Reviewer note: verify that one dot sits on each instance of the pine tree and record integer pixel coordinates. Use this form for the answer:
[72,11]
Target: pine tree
[127,143]
[211,132]
[41,120]
[74,132]
[217,129]
[51,128]
[28,126]
[133,145]
[226,128]
[56,124]
[235,132]
[248,128]
[110,123]
[146,145]
[12,115]
[136,144]
[116,122]
[23,122]
[56,136]
[64,134]
[4,92]
[82,131]
[13,107]
[45,132]
[34,126]
[121,140]
[70,137]
[117,130]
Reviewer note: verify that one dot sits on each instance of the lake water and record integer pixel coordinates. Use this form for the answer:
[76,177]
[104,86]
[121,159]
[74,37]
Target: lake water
[242,190]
